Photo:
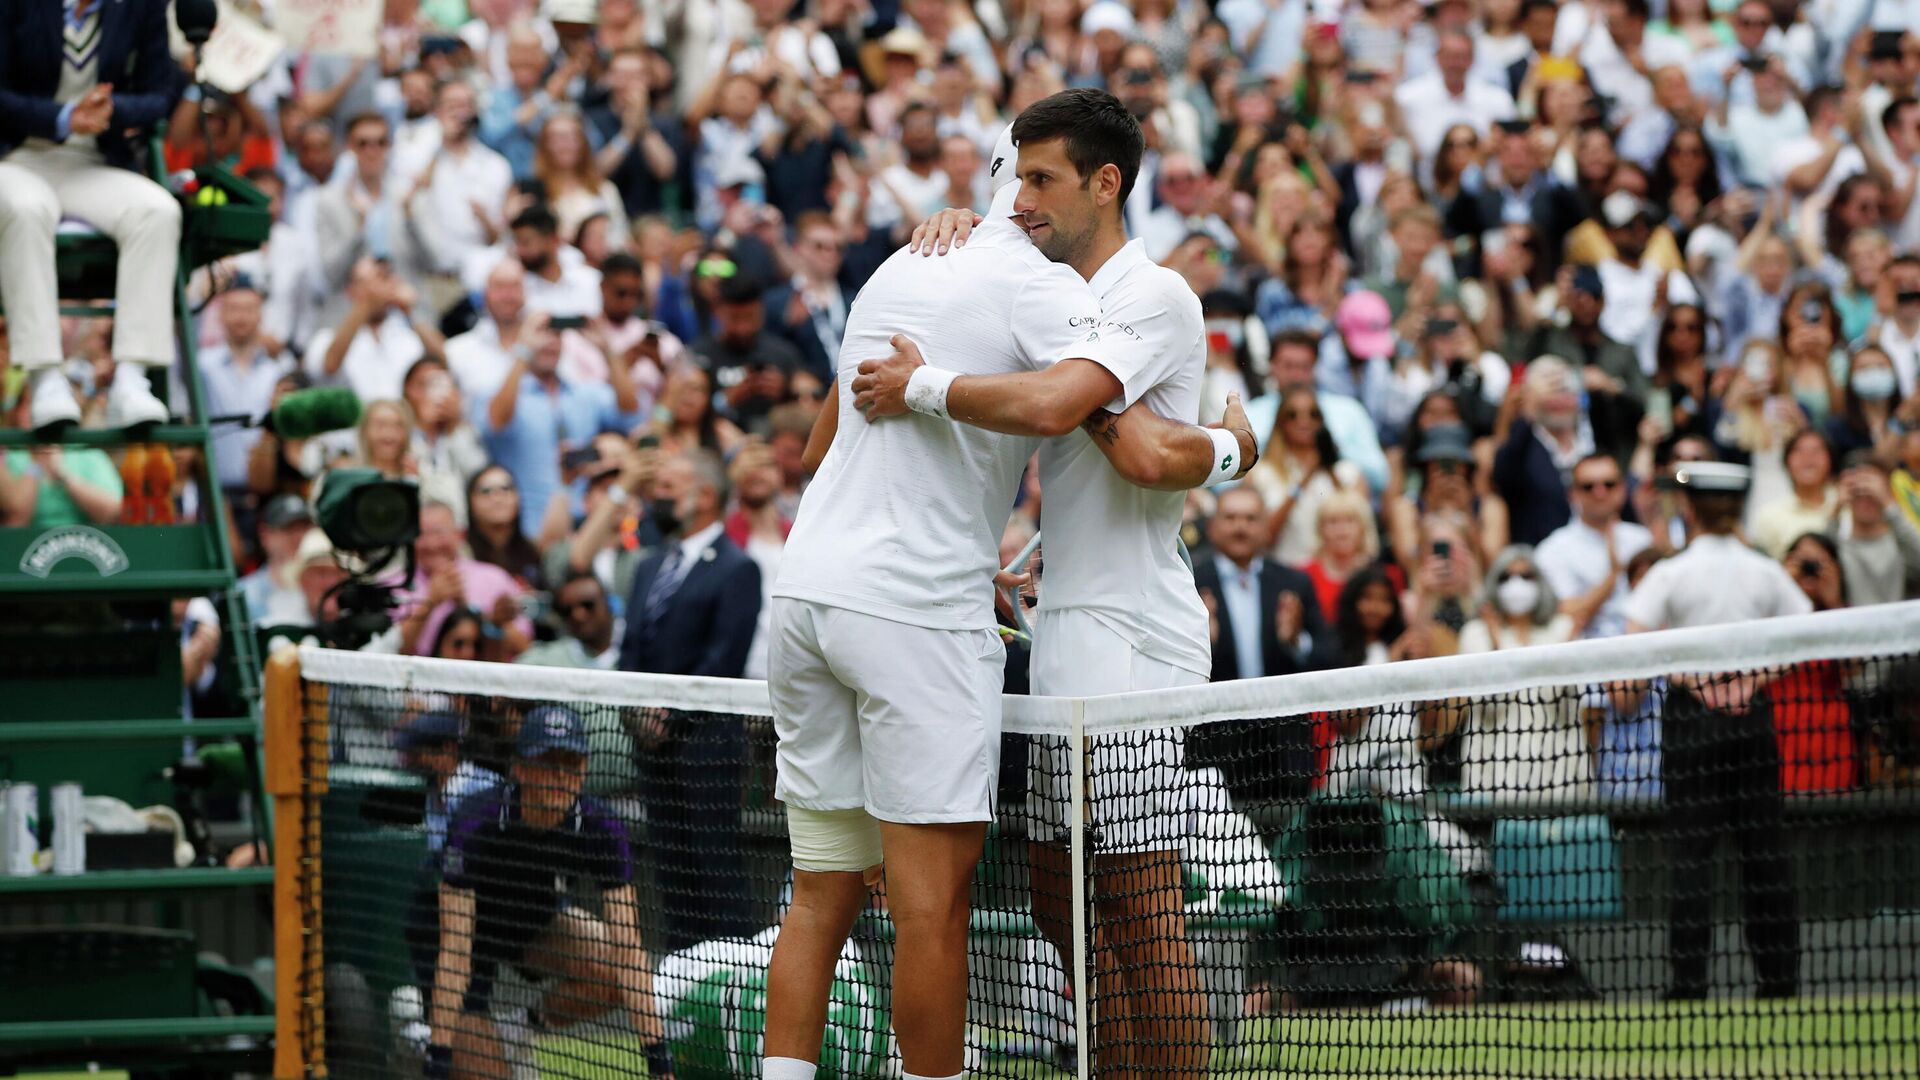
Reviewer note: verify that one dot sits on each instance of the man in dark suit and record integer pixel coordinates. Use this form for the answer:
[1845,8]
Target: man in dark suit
[1265,621]
[1562,419]
[693,611]
[1538,20]
[1523,193]
[81,84]
[810,310]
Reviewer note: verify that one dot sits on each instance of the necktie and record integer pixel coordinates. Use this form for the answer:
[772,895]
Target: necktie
[665,584]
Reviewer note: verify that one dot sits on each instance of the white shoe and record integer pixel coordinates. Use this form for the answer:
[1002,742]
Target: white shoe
[130,400]
[53,403]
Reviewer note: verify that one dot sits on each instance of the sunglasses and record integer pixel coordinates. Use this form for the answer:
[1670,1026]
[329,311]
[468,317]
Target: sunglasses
[494,489]
[585,607]
[1509,575]
[1591,486]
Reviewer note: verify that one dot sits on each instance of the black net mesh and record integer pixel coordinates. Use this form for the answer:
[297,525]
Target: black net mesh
[1655,877]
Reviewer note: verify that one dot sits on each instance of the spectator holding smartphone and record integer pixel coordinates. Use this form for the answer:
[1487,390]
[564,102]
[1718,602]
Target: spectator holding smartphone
[1879,546]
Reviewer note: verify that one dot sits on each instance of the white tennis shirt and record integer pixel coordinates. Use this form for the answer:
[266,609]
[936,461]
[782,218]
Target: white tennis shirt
[1113,548]
[903,519]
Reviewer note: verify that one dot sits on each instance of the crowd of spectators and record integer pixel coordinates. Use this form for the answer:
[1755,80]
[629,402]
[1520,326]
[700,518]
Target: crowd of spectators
[1482,270]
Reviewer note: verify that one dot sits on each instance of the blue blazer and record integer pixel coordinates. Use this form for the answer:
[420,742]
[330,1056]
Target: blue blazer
[709,622]
[132,56]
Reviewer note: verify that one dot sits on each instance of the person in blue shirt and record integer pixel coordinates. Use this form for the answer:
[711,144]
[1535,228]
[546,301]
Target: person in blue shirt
[537,414]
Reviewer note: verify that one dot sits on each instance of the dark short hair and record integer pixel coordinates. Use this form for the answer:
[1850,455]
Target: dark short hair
[1598,456]
[539,219]
[741,289]
[1892,112]
[1638,8]
[580,575]
[1532,6]
[1097,129]
[1305,339]
[357,119]
[621,263]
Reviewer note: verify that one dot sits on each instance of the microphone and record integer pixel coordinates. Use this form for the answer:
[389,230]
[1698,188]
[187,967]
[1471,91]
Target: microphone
[303,414]
[196,19]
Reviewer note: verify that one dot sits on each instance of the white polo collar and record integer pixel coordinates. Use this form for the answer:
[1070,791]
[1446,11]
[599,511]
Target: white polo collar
[1117,266]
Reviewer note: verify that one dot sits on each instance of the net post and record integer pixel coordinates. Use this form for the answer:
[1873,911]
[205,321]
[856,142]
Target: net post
[1077,890]
[299,1018]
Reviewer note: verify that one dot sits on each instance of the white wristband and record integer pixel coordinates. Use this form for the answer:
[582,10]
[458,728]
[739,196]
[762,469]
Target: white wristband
[1226,456]
[927,390]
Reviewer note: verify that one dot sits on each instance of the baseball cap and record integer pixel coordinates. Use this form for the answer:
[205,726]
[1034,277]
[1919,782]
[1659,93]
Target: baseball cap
[284,510]
[1366,323]
[1586,279]
[549,728]
[1004,165]
[1712,476]
[1623,208]
[1107,15]
[1445,442]
[432,729]
[575,12]
[738,172]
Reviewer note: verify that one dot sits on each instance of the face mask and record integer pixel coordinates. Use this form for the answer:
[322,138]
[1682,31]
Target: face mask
[666,516]
[1874,384]
[1230,328]
[1517,595]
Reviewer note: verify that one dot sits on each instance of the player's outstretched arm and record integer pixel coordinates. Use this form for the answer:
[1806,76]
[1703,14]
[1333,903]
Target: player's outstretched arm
[825,426]
[1151,451]
[1043,403]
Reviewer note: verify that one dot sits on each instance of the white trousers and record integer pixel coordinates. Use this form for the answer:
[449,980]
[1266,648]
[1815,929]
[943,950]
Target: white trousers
[41,184]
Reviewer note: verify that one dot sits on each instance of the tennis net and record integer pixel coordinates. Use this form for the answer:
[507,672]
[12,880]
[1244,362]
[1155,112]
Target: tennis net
[1690,853]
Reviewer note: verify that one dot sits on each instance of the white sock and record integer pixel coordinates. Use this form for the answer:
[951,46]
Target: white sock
[779,1068]
[917,1076]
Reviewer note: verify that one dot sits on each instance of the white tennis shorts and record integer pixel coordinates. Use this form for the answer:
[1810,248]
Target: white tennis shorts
[1138,787]
[903,720]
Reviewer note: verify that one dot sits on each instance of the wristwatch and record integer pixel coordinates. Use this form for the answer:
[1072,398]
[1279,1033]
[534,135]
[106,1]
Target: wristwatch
[617,495]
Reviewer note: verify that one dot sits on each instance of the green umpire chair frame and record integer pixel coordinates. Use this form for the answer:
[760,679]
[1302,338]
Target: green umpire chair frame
[91,666]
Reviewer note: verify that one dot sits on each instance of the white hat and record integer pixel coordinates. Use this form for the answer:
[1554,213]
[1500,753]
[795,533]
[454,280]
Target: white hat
[1004,165]
[735,171]
[1107,15]
[1713,476]
[573,12]
[314,548]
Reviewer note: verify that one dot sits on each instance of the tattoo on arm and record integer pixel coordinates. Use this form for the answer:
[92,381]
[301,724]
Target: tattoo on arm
[1103,425]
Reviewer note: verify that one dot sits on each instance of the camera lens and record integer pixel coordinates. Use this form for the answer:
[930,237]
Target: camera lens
[383,515]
